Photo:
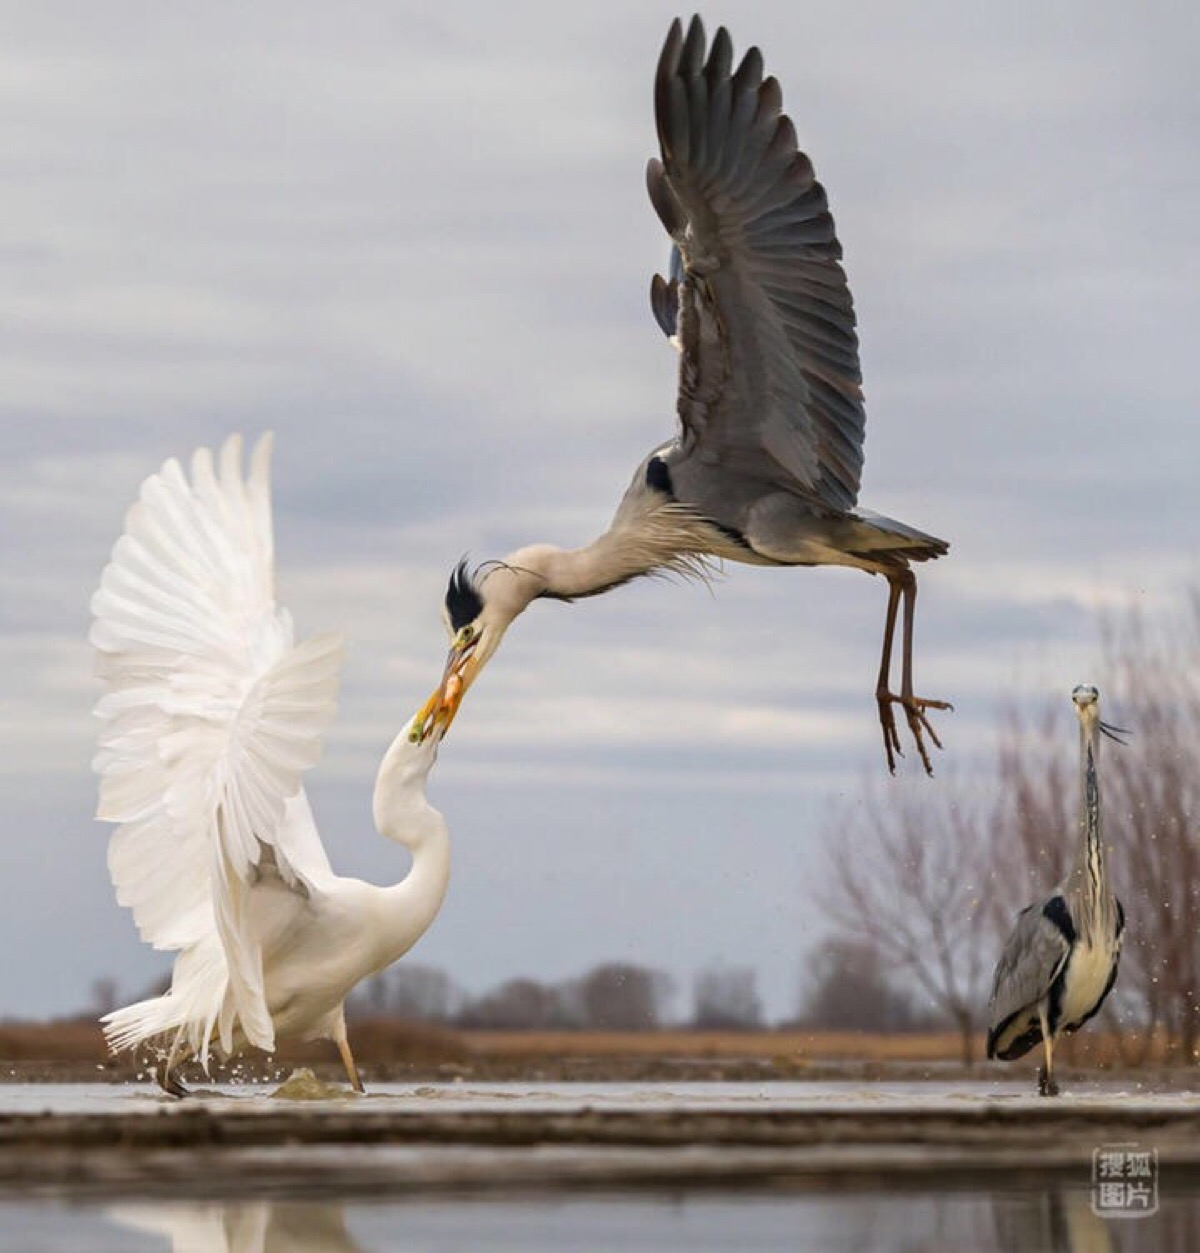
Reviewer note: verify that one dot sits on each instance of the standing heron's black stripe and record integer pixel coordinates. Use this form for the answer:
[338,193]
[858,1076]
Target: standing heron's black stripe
[1055,911]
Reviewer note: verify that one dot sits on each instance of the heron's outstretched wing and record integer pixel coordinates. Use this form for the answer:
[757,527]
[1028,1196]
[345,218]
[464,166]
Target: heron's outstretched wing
[769,383]
[211,714]
[1032,958]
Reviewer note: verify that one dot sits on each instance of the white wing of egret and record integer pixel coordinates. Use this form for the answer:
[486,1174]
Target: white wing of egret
[212,715]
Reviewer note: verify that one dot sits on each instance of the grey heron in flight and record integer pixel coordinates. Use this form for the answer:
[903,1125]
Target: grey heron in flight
[1060,961]
[766,465]
[211,718]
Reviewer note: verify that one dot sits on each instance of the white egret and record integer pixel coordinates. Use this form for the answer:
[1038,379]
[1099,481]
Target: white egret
[212,715]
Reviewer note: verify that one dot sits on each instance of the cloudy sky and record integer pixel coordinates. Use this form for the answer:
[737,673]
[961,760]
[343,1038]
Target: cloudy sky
[413,240]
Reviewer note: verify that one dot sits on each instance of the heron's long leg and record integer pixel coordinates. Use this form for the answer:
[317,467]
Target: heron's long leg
[904,583]
[887,718]
[1046,1082]
[343,1045]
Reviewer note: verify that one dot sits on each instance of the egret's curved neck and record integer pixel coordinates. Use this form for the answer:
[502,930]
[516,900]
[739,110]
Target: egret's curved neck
[402,813]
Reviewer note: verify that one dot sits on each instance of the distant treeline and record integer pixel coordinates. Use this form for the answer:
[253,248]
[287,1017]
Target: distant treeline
[845,990]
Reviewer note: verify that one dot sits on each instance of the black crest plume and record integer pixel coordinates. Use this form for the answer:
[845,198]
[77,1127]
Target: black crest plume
[463,601]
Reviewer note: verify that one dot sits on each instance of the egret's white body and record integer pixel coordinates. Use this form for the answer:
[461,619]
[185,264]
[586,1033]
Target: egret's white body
[211,717]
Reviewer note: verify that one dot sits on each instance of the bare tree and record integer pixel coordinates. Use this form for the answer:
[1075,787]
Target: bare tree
[423,993]
[104,996]
[726,998]
[905,879]
[619,996]
[1153,804]
[845,987]
[515,1005]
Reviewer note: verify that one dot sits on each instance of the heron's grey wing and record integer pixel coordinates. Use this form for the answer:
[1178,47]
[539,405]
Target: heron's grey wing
[1032,958]
[664,294]
[769,384]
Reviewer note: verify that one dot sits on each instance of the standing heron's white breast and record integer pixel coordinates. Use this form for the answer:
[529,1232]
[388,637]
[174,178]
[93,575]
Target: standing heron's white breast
[1086,978]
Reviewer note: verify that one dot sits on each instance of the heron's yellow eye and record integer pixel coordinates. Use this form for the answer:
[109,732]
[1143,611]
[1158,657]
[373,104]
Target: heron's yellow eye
[466,635]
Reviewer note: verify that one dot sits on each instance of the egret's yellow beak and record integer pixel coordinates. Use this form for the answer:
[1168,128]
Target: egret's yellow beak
[439,710]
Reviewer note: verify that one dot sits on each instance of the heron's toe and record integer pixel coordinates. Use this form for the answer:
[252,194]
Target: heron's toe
[1047,1084]
[887,722]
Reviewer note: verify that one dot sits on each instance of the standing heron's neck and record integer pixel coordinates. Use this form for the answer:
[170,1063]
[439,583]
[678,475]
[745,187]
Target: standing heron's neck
[1088,874]
[402,813]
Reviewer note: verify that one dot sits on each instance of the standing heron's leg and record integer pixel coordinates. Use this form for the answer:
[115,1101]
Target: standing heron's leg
[904,582]
[343,1044]
[1046,1082]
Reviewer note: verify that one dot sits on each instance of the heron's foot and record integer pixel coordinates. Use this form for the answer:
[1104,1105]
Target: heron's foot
[169,1080]
[918,724]
[1047,1084]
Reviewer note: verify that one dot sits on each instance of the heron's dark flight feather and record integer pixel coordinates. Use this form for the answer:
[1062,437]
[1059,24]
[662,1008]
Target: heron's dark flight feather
[770,376]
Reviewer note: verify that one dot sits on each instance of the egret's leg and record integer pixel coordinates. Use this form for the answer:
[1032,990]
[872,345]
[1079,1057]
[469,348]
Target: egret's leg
[887,718]
[343,1045]
[166,1071]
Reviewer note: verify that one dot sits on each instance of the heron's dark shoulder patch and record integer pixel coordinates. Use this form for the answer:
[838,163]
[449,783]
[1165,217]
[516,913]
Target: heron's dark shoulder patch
[1055,911]
[463,602]
[658,477]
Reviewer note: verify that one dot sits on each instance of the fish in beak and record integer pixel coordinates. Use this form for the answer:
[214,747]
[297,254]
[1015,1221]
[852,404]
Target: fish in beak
[438,712]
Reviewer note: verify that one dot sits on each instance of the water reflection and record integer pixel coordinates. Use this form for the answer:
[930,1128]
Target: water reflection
[1062,1220]
[1053,1220]
[244,1226]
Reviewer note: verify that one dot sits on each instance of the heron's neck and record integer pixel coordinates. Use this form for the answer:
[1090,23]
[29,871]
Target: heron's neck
[1088,874]
[648,535]
[543,570]
[402,813]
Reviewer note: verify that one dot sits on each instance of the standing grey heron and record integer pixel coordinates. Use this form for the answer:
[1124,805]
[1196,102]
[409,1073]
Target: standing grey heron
[211,717]
[1060,961]
[766,464]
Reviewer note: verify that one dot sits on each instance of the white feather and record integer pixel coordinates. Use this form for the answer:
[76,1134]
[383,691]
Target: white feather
[210,718]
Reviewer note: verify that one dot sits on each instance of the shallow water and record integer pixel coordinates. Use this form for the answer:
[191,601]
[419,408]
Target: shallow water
[79,1098]
[926,1214]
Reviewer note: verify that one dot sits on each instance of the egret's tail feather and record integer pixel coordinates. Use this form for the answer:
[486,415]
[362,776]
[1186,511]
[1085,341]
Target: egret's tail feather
[138,1023]
[184,1017]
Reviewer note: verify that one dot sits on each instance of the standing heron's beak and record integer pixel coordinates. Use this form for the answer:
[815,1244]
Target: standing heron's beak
[438,711]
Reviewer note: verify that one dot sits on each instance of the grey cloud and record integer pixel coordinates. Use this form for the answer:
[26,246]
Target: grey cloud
[415,242]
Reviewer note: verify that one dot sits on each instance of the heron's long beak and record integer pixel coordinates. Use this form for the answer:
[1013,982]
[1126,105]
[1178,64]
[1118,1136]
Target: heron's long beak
[438,711]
